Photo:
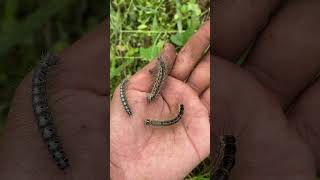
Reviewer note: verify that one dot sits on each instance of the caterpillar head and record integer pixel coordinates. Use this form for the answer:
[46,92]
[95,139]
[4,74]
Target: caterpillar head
[147,122]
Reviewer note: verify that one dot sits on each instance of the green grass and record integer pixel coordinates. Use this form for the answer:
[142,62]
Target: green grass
[28,29]
[138,31]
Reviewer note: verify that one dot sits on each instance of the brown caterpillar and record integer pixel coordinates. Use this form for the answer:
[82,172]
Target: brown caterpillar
[43,115]
[123,97]
[157,123]
[160,77]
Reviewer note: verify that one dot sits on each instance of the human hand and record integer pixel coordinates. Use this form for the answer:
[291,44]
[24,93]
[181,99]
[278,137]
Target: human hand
[140,152]
[78,100]
[271,100]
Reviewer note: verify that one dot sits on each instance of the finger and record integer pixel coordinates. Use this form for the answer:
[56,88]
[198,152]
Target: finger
[205,98]
[142,80]
[286,56]
[236,23]
[305,117]
[84,64]
[192,52]
[199,79]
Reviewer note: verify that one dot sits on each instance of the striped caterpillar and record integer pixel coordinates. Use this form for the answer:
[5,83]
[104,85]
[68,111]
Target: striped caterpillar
[43,115]
[225,159]
[123,97]
[160,76]
[157,123]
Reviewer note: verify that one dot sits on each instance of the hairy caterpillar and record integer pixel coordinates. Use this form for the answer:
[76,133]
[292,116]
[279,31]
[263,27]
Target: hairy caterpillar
[160,77]
[43,115]
[157,123]
[225,157]
[227,137]
[123,97]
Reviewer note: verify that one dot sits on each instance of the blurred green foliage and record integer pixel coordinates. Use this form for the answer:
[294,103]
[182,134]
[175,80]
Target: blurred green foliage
[31,28]
[138,32]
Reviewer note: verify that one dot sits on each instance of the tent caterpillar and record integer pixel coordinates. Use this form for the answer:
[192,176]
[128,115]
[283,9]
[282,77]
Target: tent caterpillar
[157,123]
[160,76]
[226,157]
[43,115]
[123,97]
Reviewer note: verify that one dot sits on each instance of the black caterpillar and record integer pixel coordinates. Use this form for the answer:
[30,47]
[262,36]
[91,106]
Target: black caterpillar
[157,123]
[41,110]
[123,97]
[226,157]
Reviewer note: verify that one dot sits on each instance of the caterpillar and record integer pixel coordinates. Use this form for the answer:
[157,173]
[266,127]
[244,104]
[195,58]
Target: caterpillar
[160,77]
[157,123]
[43,115]
[123,97]
[226,157]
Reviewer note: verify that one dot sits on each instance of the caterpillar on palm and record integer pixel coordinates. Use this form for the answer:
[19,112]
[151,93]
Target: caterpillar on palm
[160,76]
[160,123]
[43,115]
[123,97]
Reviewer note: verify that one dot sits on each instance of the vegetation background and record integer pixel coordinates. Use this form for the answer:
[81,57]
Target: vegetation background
[138,31]
[31,28]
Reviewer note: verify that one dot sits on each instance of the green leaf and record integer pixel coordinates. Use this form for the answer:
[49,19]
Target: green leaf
[116,71]
[200,178]
[184,9]
[142,26]
[195,8]
[180,39]
[59,46]
[150,53]
[154,27]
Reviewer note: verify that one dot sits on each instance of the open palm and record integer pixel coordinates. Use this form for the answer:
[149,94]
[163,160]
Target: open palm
[140,152]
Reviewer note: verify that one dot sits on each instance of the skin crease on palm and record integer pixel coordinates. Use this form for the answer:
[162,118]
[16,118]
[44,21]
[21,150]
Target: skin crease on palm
[78,100]
[272,101]
[139,152]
